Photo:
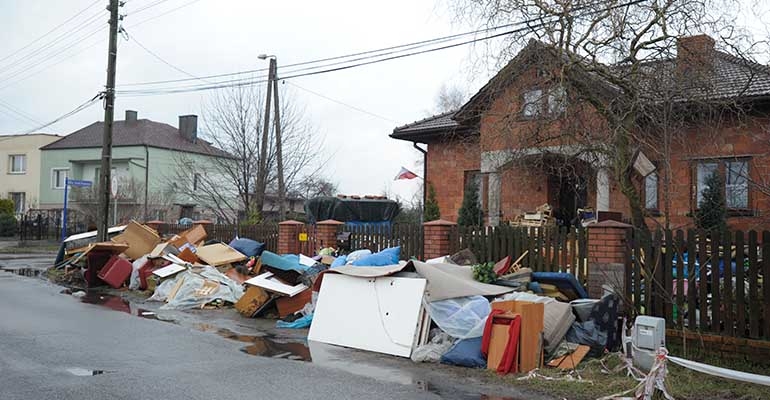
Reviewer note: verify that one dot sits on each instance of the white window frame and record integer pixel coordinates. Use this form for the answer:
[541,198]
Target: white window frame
[737,186]
[18,208]
[23,164]
[651,191]
[53,177]
[532,106]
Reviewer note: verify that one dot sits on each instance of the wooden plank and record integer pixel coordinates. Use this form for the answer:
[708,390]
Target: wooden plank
[548,265]
[637,273]
[692,294]
[531,338]
[727,293]
[753,282]
[656,283]
[570,361]
[715,307]
[668,286]
[766,285]
[740,287]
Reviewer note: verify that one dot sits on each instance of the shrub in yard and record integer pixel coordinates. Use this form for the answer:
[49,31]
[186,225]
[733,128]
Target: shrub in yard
[7,207]
[432,212]
[8,225]
[712,210]
[470,211]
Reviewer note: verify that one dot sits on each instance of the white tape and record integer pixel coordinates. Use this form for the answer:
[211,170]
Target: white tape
[722,372]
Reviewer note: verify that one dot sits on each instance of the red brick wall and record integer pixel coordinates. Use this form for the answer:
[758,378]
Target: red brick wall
[447,163]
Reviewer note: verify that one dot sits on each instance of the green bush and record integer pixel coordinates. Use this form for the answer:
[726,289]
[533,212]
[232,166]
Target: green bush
[8,225]
[470,212]
[712,210]
[432,212]
[7,207]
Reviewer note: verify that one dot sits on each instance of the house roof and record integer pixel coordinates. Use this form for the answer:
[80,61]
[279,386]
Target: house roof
[439,121]
[142,132]
[731,78]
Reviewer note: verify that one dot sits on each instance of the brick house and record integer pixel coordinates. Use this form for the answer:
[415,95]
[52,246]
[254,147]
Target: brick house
[510,138]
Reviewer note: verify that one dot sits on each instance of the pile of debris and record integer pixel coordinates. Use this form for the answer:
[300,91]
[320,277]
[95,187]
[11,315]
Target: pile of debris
[449,309]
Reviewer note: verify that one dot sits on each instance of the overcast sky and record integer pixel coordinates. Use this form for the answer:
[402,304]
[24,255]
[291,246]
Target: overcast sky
[219,36]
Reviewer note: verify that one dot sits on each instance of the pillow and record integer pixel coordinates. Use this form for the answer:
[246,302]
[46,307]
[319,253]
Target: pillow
[248,247]
[386,257]
[357,254]
[465,353]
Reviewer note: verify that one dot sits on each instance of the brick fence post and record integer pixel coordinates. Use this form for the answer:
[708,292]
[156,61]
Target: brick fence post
[437,238]
[326,233]
[288,237]
[607,252]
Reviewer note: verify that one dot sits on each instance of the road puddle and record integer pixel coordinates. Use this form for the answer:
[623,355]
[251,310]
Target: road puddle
[28,272]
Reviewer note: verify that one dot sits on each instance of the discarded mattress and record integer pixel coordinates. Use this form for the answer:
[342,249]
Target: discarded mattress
[375,314]
[565,282]
[286,262]
[446,281]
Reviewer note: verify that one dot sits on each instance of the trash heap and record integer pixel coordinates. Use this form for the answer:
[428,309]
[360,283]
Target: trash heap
[451,309]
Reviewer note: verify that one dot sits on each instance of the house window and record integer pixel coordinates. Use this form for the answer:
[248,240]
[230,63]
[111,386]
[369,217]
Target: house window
[196,181]
[533,103]
[17,164]
[479,180]
[737,184]
[651,191]
[18,201]
[557,101]
[59,177]
[736,181]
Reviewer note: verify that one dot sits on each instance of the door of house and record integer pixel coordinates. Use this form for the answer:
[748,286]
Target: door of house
[566,194]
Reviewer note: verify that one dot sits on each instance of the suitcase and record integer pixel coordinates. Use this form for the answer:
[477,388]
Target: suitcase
[116,272]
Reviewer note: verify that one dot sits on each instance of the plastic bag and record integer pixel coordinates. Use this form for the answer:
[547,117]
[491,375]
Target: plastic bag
[433,350]
[461,317]
[465,353]
[197,289]
[298,323]
[134,282]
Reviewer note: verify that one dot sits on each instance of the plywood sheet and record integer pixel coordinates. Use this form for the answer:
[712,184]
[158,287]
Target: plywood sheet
[570,361]
[375,314]
[531,338]
[497,342]
[269,282]
[141,240]
[219,254]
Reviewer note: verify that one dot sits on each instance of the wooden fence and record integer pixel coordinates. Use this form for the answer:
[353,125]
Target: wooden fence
[265,233]
[376,238]
[713,283]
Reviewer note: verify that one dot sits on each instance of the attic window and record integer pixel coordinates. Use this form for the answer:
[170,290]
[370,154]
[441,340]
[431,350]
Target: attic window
[533,103]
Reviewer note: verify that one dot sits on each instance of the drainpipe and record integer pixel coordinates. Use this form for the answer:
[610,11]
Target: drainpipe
[424,178]
[146,178]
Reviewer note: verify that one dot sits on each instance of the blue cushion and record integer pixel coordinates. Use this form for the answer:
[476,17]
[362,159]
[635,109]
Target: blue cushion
[339,261]
[465,353]
[286,262]
[386,257]
[248,247]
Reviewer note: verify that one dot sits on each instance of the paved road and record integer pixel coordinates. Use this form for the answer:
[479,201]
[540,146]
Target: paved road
[48,341]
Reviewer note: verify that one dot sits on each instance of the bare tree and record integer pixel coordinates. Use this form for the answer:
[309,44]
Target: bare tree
[233,122]
[449,98]
[608,60]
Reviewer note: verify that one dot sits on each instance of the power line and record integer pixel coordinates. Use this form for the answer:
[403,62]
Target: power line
[19,112]
[342,103]
[159,58]
[64,116]
[151,5]
[164,13]
[50,31]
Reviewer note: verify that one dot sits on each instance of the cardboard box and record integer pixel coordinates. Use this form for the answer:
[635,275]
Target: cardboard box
[252,301]
[140,239]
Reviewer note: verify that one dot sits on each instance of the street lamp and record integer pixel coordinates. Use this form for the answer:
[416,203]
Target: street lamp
[272,83]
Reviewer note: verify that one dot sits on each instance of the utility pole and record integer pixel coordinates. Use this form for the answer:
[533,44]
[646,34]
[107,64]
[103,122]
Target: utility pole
[262,173]
[109,114]
[278,145]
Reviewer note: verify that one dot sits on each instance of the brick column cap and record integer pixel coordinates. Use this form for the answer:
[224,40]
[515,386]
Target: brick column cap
[439,222]
[290,222]
[610,224]
[330,222]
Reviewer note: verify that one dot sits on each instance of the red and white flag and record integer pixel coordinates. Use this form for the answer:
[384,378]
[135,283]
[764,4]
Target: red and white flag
[405,174]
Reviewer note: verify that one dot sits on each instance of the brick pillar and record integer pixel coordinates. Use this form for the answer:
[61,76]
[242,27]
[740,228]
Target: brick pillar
[288,237]
[607,249]
[437,238]
[326,233]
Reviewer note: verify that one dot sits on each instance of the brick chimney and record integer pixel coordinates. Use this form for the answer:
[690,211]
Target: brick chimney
[131,116]
[188,127]
[695,54]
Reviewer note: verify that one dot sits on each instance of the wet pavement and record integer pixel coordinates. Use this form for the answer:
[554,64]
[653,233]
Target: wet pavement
[258,337]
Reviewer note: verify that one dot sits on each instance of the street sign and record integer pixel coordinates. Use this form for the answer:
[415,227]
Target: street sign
[114,186]
[78,183]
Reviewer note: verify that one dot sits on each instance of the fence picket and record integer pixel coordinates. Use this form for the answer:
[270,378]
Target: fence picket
[766,283]
[680,295]
[740,287]
[727,293]
[753,290]
[667,292]
[692,285]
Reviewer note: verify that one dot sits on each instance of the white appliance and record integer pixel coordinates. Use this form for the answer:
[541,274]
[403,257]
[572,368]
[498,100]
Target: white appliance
[648,336]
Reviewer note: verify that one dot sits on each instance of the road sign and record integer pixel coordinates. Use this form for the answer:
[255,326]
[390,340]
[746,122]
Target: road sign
[114,186]
[79,183]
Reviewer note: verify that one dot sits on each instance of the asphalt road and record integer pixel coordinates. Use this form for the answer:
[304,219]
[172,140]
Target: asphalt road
[50,343]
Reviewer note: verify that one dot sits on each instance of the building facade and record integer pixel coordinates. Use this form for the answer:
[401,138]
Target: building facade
[20,168]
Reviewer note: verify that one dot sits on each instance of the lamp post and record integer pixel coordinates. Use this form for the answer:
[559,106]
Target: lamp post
[272,79]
